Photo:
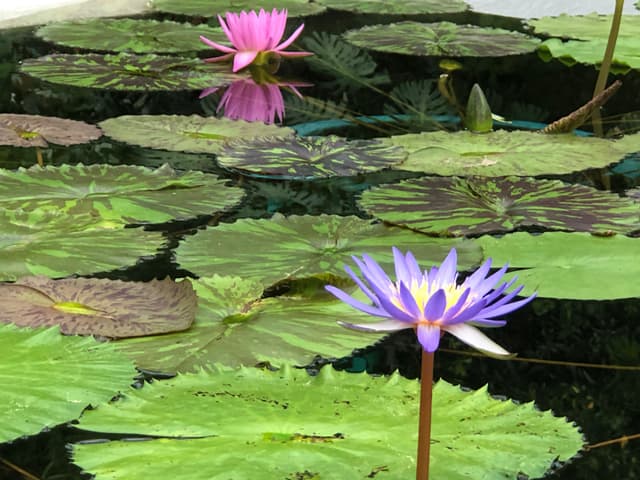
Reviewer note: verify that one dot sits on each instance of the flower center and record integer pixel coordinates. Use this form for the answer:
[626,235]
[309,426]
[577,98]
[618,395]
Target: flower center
[421,293]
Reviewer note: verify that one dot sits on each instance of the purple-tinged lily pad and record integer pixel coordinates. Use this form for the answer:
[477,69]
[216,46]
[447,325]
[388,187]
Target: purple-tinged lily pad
[20,130]
[406,7]
[211,8]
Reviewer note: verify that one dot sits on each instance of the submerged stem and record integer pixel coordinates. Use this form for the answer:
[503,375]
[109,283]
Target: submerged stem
[424,426]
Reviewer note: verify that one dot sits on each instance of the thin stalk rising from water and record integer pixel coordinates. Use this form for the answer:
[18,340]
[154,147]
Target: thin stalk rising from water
[424,426]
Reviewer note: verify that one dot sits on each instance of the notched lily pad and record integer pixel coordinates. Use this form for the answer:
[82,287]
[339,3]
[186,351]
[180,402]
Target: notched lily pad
[309,157]
[442,39]
[20,130]
[211,8]
[408,7]
[93,306]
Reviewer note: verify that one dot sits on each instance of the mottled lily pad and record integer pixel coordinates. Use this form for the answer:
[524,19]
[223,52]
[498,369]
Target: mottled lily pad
[37,131]
[48,378]
[539,9]
[472,206]
[211,8]
[130,35]
[122,193]
[129,72]
[442,39]
[309,157]
[57,245]
[99,306]
[408,7]
[335,425]
[502,153]
[183,133]
[570,265]
[270,250]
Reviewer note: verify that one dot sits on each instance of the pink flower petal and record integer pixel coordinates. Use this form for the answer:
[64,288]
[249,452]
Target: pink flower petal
[290,40]
[217,46]
[243,59]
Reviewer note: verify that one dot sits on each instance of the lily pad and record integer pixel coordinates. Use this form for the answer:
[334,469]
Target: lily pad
[37,131]
[270,250]
[130,35]
[129,72]
[570,265]
[408,7]
[444,39]
[57,245]
[122,193]
[543,9]
[48,378]
[99,306]
[472,206]
[502,153]
[309,157]
[211,8]
[182,133]
[364,425]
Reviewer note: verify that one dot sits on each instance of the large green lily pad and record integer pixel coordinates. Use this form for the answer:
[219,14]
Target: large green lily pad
[472,206]
[130,35]
[185,133]
[211,8]
[48,378]
[409,7]
[20,130]
[122,193]
[442,39]
[270,250]
[502,153]
[335,425]
[57,245]
[309,157]
[99,306]
[129,72]
[570,265]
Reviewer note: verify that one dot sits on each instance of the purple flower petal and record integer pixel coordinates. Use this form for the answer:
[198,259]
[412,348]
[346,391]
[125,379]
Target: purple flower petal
[448,270]
[409,302]
[357,304]
[362,286]
[453,311]
[428,336]
[435,306]
[510,307]
[402,273]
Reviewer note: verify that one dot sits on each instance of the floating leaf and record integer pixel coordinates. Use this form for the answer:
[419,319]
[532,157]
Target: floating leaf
[130,35]
[502,153]
[407,7]
[302,246]
[309,157]
[444,39]
[123,193]
[457,206]
[543,9]
[570,265]
[48,378]
[37,131]
[99,306]
[129,72]
[336,425]
[211,8]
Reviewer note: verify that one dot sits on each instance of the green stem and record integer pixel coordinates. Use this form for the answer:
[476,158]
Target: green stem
[424,426]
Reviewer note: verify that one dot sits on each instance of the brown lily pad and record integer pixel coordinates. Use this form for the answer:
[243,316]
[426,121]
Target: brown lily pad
[92,306]
[37,131]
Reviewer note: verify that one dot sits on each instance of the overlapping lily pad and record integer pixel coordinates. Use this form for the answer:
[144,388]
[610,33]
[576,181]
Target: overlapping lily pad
[130,35]
[93,306]
[442,39]
[122,193]
[58,245]
[185,133]
[21,130]
[270,250]
[363,427]
[570,265]
[309,157]
[409,7]
[502,153]
[472,206]
[211,8]
[48,378]
[129,72]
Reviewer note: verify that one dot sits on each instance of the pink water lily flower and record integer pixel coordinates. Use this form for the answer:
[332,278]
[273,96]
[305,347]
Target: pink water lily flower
[252,35]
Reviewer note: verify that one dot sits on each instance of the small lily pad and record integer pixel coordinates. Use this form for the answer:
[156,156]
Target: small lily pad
[472,206]
[183,133]
[20,130]
[444,39]
[211,8]
[408,7]
[309,157]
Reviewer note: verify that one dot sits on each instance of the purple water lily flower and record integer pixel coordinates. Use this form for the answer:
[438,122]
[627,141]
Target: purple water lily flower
[431,302]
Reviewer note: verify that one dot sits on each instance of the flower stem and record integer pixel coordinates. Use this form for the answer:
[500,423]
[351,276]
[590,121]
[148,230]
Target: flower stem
[424,427]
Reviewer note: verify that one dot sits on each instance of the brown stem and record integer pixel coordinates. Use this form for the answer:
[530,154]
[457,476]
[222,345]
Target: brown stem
[424,426]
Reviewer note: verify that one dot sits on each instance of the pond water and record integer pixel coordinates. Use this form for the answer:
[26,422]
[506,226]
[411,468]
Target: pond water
[555,338]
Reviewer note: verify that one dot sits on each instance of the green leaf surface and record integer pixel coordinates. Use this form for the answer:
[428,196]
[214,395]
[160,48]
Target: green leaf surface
[37,131]
[408,7]
[183,133]
[129,72]
[476,205]
[271,250]
[442,39]
[503,153]
[123,193]
[48,378]
[363,426]
[211,8]
[570,265]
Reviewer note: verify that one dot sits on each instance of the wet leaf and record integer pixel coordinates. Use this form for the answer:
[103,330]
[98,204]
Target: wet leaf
[37,131]
[408,7]
[211,8]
